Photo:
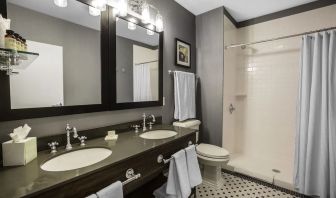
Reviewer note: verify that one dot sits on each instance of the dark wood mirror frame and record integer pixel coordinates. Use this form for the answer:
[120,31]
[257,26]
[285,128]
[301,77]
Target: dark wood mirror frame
[108,79]
[6,113]
[133,105]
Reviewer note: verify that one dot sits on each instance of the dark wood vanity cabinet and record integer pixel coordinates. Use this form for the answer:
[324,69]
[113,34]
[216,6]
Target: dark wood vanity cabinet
[144,163]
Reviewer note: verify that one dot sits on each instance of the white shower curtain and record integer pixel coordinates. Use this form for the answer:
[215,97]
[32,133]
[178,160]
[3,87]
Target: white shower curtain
[141,83]
[315,155]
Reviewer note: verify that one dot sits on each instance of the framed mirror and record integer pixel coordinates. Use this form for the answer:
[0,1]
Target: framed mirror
[138,68]
[70,73]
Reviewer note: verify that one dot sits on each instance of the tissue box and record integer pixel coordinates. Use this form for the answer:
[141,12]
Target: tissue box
[21,153]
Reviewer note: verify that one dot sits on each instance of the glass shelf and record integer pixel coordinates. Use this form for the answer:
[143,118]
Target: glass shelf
[11,60]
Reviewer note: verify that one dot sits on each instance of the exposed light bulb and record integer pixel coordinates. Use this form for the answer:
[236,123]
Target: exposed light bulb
[99,4]
[94,11]
[132,24]
[61,3]
[115,11]
[123,7]
[159,23]
[150,29]
[145,15]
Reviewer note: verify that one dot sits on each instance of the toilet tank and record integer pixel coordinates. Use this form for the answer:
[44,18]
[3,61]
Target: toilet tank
[191,124]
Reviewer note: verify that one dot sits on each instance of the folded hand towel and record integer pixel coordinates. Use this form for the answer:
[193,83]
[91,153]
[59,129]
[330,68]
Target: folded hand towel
[184,94]
[178,179]
[112,191]
[194,171]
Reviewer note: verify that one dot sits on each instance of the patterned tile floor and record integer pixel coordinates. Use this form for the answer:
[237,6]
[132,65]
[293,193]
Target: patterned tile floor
[236,186]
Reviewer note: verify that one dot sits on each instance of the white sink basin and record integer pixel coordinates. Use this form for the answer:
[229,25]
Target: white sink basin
[158,134]
[76,159]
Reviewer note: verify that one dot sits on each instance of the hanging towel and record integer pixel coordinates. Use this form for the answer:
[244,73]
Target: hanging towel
[161,192]
[184,91]
[112,191]
[178,179]
[194,171]
[92,196]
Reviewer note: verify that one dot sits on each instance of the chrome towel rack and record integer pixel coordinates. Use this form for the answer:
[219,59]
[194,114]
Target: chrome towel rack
[160,158]
[172,72]
[131,176]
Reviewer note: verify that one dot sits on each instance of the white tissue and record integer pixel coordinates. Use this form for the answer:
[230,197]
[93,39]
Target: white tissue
[19,134]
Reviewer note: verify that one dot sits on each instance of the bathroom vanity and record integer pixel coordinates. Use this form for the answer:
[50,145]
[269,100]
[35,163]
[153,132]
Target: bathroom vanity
[129,151]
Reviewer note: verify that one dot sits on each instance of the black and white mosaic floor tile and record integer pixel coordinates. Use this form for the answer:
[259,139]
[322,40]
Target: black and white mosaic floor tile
[236,186]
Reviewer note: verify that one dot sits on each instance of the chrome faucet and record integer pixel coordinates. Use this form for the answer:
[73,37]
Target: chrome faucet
[68,130]
[144,128]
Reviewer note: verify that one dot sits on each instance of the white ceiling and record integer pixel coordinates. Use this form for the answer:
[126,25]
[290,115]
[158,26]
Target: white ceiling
[241,10]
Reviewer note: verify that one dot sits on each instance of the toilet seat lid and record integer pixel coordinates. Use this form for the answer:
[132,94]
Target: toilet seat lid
[212,151]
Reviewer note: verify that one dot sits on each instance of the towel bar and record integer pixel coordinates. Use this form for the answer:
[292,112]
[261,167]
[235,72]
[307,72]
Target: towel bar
[131,176]
[160,158]
[165,161]
[171,72]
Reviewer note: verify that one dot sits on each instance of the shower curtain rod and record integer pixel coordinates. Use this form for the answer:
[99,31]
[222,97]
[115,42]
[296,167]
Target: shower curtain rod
[243,45]
[146,62]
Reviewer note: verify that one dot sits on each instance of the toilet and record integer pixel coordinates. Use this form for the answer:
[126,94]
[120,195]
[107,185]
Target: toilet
[211,158]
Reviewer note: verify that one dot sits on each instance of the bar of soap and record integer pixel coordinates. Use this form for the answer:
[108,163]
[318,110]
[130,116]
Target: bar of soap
[111,137]
[111,133]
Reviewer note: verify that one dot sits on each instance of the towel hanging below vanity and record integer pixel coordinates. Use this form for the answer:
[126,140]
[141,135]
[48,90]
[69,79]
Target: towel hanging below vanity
[114,190]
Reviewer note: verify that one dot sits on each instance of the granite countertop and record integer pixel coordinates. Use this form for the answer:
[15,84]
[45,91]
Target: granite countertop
[27,180]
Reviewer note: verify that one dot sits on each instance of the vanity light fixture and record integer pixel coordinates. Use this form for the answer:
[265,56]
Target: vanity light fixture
[145,13]
[115,12]
[132,24]
[99,4]
[61,3]
[123,8]
[159,22]
[139,9]
[94,11]
[150,29]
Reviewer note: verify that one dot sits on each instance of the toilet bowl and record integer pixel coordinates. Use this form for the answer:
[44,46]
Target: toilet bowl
[211,158]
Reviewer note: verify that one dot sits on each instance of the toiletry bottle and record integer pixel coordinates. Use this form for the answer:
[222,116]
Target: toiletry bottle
[25,46]
[10,40]
[18,42]
[21,43]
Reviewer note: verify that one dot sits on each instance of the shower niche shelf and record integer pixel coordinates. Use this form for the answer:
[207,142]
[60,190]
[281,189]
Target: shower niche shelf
[241,94]
[11,60]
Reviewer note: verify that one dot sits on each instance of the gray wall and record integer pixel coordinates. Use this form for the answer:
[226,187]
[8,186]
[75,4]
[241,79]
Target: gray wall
[81,51]
[210,67]
[178,22]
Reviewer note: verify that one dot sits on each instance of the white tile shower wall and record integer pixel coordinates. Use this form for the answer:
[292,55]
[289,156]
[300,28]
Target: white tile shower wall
[230,57]
[268,73]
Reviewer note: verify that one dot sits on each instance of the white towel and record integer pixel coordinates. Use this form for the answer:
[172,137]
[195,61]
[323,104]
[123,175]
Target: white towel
[161,192]
[112,191]
[92,196]
[178,179]
[194,172]
[184,91]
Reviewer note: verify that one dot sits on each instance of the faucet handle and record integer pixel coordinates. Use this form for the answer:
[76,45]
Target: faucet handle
[52,146]
[150,125]
[82,140]
[136,127]
[75,134]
